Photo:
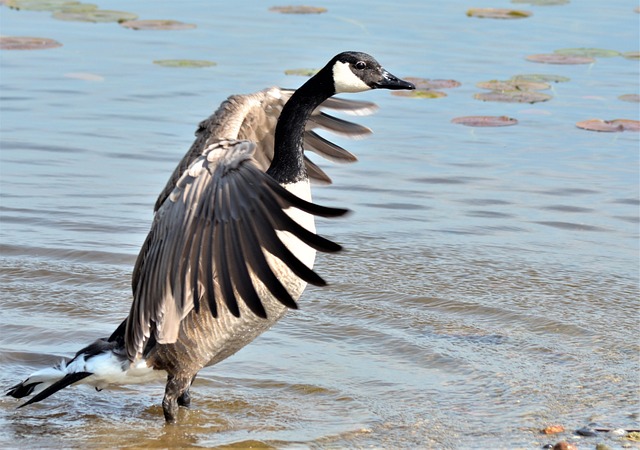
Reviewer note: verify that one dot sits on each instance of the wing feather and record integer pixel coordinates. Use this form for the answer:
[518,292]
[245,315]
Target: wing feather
[208,242]
[254,116]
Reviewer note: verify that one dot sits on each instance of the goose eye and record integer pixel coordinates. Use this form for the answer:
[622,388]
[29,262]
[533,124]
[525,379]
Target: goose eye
[360,65]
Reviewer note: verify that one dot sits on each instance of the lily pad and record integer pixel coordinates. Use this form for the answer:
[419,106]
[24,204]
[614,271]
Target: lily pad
[589,52]
[498,13]
[630,98]
[420,93]
[298,9]
[511,85]
[301,72]
[424,83]
[541,78]
[542,2]
[157,25]
[556,58]
[78,8]
[95,16]
[184,63]
[513,96]
[27,43]
[39,5]
[485,121]
[610,126]
[631,55]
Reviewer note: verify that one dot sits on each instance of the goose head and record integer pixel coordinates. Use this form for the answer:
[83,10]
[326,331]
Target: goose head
[357,72]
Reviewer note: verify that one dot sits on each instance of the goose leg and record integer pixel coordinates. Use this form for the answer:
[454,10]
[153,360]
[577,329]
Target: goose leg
[185,398]
[175,390]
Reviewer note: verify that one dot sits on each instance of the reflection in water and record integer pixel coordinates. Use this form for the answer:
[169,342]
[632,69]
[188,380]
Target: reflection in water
[489,284]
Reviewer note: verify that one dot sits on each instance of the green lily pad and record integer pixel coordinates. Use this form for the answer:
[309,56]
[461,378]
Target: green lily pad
[95,16]
[541,78]
[610,126]
[301,72]
[589,52]
[27,43]
[157,25]
[630,98]
[299,9]
[513,96]
[184,63]
[631,55]
[78,8]
[39,5]
[542,2]
[511,85]
[424,83]
[485,121]
[420,93]
[556,58]
[498,13]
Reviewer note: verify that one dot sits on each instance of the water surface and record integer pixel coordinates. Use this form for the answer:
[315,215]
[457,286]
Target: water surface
[489,285]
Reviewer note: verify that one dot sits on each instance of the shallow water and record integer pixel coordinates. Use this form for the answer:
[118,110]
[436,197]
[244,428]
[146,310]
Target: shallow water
[489,286]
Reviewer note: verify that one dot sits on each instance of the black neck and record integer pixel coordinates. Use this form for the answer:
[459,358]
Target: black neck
[288,157]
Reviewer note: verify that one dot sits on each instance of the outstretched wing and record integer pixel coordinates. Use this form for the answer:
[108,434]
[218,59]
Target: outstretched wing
[209,239]
[254,116]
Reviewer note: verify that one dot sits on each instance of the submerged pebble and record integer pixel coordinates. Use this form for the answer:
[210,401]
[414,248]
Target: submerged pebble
[553,429]
[564,445]
[587,431]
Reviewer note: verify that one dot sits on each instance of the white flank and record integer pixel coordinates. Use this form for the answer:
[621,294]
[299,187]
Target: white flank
[302,251]
[347,81]
[108,369]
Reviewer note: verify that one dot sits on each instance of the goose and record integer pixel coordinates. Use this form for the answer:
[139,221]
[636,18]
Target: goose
[231,246]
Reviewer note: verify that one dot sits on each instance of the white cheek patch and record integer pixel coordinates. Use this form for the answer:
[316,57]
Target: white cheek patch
[347,81]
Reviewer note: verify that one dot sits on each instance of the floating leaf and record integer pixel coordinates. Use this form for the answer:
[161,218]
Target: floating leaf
[631,55]
[485,121]
[95,16]
[299,9]
[556,58]
[39,5]
[184,63]
[609,125]
[589,52]
[630,98]
[424,83]
[540,78]
[157,25]
[301,72]
[78,8]
[27,43]
[542,2]
[513,96]
[498,13]
[420,93]
[511,85]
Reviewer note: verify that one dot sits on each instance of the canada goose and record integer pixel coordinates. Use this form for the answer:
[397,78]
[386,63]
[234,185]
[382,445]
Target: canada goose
[224,230]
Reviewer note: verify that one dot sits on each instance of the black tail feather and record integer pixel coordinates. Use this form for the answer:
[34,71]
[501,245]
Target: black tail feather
[22,390]
[55,387]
